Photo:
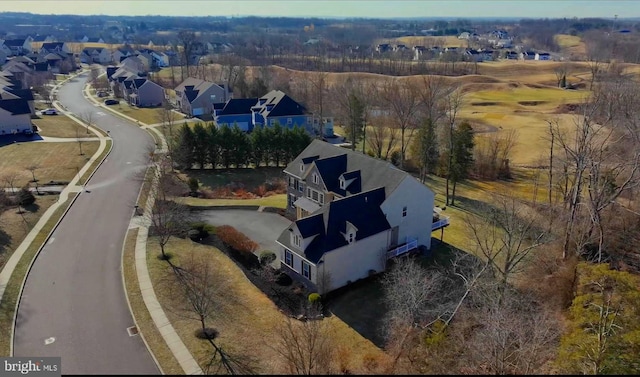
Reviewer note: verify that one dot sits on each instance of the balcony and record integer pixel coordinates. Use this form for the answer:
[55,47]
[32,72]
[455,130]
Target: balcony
[411,244]
[439,224]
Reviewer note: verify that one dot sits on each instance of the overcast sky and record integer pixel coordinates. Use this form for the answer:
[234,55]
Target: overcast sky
[334,8]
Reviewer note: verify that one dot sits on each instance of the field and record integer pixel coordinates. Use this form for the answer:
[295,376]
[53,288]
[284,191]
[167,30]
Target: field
[442,41]
[59,126]
[55,161]
[571,44]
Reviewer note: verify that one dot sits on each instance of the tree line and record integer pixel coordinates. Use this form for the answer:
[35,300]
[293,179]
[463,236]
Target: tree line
[207,146]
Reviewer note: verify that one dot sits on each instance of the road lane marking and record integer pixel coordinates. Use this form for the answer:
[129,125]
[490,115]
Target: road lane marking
[51,240]
[128,162]
[49,341]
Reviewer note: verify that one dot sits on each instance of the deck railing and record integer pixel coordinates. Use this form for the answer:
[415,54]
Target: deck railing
[402,249]
[444,221]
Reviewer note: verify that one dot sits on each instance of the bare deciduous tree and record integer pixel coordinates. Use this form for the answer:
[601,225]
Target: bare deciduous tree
[305,346]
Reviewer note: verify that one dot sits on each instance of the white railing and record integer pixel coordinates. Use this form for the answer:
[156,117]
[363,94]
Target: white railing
[408,246]
[440,224]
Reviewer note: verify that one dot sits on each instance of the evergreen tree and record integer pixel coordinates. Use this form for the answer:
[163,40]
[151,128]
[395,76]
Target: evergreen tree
[200,148]
[213,145]
[226,146]
[184,150]
[355,123]
[240,147]
[425,148]
[462,155]
[259,146]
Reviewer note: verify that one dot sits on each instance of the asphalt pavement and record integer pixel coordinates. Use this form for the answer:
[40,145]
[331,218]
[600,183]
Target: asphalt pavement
[73,304]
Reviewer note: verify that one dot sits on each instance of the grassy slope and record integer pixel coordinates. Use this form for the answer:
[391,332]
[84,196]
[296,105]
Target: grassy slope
[56,161]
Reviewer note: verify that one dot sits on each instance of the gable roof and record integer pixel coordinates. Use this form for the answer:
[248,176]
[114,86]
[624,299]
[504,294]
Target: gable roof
[14,42]
[25,94]
[277,103]
[329,224]
[15,106]
[194,88]
[374,173]
[236,106]
[52,45]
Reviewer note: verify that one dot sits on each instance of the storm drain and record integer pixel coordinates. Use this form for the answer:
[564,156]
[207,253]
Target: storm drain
[133,331]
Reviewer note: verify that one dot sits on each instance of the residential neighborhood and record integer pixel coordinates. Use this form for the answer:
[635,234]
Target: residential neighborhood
[409,188]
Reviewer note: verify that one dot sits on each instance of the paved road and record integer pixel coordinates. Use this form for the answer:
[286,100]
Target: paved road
[74,293]
[262,227]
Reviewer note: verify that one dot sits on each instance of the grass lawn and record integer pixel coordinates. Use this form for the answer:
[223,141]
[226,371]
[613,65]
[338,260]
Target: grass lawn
[145,324]
[60,126]
[571,43]
[277,201]
[144,115]
[10,297]
[249,177]
[56,161]
[246,319]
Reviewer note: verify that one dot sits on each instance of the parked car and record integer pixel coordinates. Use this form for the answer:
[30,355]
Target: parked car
[111,102]
[49,112]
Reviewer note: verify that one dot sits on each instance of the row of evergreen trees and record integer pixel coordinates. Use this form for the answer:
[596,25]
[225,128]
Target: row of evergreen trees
[207,146]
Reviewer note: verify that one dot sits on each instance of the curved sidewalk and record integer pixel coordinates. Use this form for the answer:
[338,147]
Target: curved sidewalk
[169,334]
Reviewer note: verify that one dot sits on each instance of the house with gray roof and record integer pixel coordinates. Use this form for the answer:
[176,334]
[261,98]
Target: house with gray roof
[354,213]
[196,97]
[142,92]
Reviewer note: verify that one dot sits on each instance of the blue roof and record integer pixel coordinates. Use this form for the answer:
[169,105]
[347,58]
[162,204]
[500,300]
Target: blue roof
[331,169]
[361,210]
[236,106]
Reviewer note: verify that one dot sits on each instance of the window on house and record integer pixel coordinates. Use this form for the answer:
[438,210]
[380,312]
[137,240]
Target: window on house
[296,240]
[291,181]
[273,122]
[314,195]
[306,270]
[292,199]
[288,258]
[289,121]
[301,166]
[315,178]
[342,183]
[300,187]
[404,211]
[351,238]
[321,198]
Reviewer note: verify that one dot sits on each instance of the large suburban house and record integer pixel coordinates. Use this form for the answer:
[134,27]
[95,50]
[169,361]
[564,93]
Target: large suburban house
[142,92]
[95,55]
[354,213]
[236,112]
[277,107]
[18,46]
[196,97]
[15,116]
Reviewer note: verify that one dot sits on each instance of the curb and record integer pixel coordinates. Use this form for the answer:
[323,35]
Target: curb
[24,279]
[126,294]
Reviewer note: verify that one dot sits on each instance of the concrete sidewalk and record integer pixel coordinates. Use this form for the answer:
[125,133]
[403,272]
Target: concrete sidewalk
[142,222]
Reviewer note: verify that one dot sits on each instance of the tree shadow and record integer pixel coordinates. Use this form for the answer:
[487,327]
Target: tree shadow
[5,240]
[33,208]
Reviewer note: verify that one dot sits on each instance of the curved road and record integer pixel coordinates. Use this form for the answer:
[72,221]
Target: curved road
[74,292]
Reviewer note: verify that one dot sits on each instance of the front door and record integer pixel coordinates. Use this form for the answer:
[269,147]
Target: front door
[393,241]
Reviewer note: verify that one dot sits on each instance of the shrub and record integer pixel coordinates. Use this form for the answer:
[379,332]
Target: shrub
[284,279]
[260,190]
[206,333]
[25,197]
[194,185]
[395,158]
[235,239]
[314,297]
[267,257]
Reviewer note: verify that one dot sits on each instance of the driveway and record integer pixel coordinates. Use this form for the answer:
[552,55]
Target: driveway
[262,227]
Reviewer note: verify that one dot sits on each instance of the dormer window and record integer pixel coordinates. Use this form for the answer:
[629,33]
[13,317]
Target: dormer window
[301,167]
[404,211]
[315,178]
[296,240]
[351,237]
[342,183]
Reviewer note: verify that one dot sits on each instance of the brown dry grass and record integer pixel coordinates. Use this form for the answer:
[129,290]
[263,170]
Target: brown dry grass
[246,318]
[59,126]
[56,161]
